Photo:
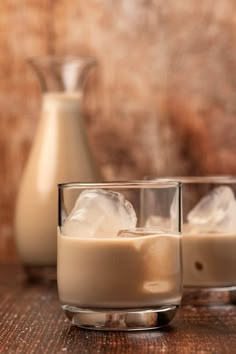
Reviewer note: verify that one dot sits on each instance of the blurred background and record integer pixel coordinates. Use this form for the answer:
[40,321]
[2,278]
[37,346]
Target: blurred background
[161,102]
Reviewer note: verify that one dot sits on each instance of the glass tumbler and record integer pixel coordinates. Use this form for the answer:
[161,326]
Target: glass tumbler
[115,270]
[209,238]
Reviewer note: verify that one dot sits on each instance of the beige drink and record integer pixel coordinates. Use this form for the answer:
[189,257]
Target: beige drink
[209,260]
[60,153]
[119,272]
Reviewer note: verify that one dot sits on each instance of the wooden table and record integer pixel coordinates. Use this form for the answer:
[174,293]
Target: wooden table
[31,321]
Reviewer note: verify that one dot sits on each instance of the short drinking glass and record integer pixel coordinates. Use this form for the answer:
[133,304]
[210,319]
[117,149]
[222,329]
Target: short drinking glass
[209,238]
[115,270]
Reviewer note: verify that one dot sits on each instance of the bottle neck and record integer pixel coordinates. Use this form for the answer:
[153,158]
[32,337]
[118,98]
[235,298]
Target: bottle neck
[61,102]
[63,109]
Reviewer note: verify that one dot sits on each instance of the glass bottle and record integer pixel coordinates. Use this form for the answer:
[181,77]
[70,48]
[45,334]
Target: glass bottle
[60,153]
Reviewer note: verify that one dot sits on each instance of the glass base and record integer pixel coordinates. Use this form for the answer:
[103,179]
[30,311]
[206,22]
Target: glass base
[120,320]
[199,296]
[40,273]
[232,296]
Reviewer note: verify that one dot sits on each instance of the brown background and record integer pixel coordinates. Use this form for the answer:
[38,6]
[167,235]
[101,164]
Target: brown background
[161,102]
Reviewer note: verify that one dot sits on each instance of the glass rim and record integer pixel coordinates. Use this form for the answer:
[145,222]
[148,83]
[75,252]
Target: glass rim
[132,184]
[217,179]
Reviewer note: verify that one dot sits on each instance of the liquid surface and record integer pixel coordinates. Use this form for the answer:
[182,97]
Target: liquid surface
[59,154]
[135,272]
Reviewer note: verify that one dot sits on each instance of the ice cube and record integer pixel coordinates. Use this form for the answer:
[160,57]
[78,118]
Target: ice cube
[216,212]
[139,232]
[174,206]
[158,222]
[99,213]
[192,229]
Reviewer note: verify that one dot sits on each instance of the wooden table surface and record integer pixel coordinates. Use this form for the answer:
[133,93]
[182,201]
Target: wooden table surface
[31,321]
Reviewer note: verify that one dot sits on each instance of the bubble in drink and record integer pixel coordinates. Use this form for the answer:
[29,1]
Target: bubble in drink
[99,213]
[216,212]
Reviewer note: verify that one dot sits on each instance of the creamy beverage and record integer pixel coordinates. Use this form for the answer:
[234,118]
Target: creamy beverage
[60,153]
[209,260]
[119,272]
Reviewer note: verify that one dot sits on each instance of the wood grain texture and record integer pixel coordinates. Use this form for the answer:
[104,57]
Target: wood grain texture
[31,321]
[161,102]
